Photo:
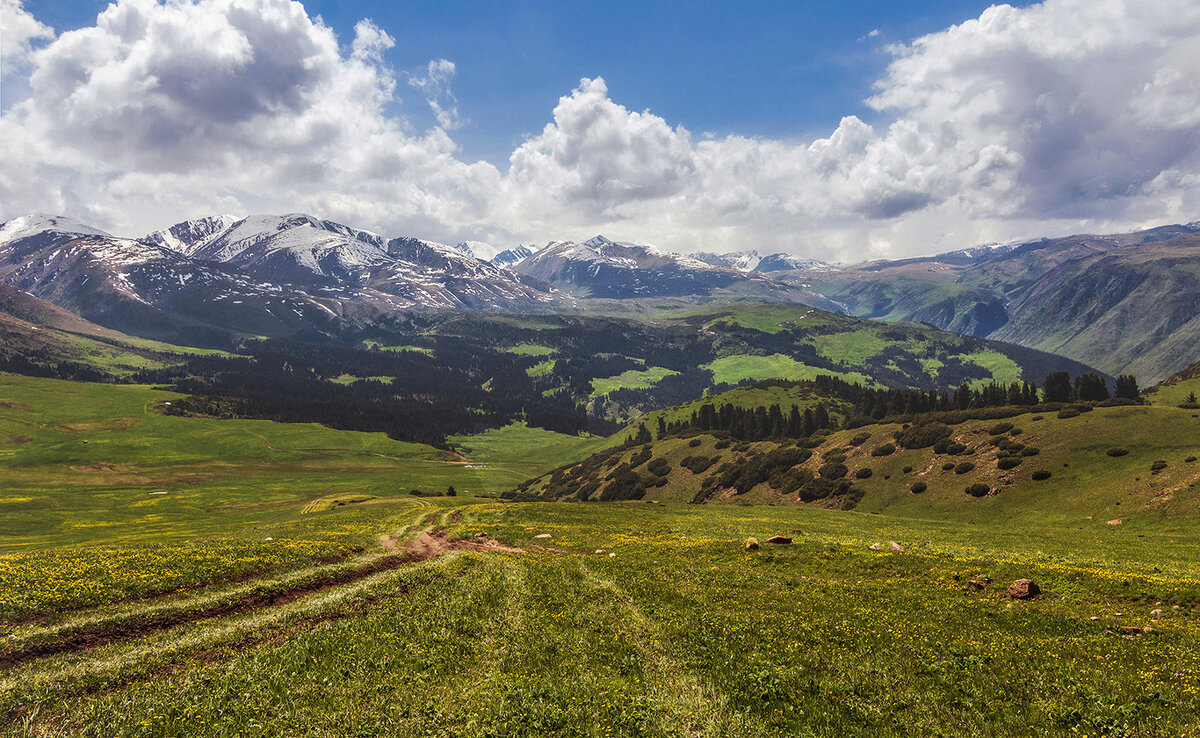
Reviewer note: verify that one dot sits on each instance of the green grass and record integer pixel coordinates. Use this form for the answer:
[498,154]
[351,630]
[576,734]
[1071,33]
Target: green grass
[541,369]
[382,347]
[1003,369]
[853,347]
[734,369]
[90,462]
[648,620]
[351,379]
[631,379]
[1174,394]
[530,349]
[518,450]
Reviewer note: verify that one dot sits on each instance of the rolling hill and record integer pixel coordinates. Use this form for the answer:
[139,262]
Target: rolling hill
[1126,303]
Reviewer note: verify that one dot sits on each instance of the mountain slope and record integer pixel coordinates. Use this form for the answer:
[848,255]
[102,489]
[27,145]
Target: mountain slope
[1123,302]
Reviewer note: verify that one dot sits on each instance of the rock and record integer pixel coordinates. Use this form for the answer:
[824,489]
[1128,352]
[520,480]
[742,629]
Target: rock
[779,539]
[896,546]
[954,575]
[1024,589]
[1147,629]
[1116,521]
[874,547]
[975,585]
[481,535]
[599,550]
[1093,618]
[543,535]
[751,544]
[1156,613]
[1176,607]
[795,530]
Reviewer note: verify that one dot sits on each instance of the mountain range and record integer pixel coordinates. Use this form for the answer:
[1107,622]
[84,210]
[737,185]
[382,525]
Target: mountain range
[1122,303]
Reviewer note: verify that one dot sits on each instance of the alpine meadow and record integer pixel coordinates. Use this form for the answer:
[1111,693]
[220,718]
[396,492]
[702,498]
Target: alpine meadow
[576,369]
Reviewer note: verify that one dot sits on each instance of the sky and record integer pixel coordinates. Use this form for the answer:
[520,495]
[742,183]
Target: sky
[840,131]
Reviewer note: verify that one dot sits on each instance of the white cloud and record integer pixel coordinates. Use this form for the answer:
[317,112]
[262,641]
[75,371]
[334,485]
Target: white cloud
[1065,116]
[18,32]
[435,86]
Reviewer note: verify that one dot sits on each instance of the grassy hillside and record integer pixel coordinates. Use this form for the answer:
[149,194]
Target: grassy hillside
[90,462]
[1133,463]
[1123,303]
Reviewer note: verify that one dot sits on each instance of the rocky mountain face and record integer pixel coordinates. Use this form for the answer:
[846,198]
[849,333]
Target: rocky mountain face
[1120,302]
[600,268]
[751,261]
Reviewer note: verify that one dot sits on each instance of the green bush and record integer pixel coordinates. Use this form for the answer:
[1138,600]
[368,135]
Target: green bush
[1117,451]
[1158,466]
[978,490]
[1030,451]
[864,473]
[1036,418]
[1068,412]
[886,449]
[1189,459]
[694,443]
[835,457]
[907,470]
[1040,474]
[1015,432]
[922,436]
[964,467]
[1000,428]
[860,439]
[659,467]
[948,466]
[918,487]
[1008,462]
[833,470]
[723,443]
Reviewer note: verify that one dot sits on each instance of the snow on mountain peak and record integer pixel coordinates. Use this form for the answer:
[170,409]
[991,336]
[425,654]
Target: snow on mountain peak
[30,225]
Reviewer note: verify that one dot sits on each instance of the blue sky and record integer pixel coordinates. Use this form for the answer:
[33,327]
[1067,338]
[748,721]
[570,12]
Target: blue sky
[840,131]
[787,70]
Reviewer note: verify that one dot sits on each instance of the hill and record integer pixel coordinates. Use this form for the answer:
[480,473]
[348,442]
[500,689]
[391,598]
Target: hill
[1045,463]
[1125,303]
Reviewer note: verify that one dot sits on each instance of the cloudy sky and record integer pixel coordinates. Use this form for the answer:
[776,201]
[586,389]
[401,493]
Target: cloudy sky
[842,131]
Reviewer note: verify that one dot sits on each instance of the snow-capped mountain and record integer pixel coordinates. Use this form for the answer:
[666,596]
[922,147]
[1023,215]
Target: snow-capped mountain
[743,261]
[752,261]
[191,235]
[603,268]
[478,249]
[511,257]
[787,262]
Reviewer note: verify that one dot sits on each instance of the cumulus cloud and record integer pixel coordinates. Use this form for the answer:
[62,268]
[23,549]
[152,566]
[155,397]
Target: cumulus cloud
[435,86]
[18,32]
[1064,116]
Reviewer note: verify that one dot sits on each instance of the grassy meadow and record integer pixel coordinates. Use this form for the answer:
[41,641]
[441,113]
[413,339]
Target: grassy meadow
[169,576]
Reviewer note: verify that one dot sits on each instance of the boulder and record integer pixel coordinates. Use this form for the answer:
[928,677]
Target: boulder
[974,585]
[874,547]
[542,535]
[751,544]
[779,539]
[1024,589]
[1116,521]
[896,546]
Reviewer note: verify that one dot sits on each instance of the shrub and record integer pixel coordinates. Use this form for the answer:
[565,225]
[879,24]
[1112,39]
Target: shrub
[817,489]
[1068,412]
[978,490]
[853,495]
[833,470]
[907,470]
[1040,474]
[1158,466]
[1030,451]
[922,436]
[964,467]
[723,443]
[860,439]
[918,487]
[864,473]
[948,466]
[694,443]
[659,467]
[1015,432]
[1189,459]
[415,492]
[641,456]
[1000,428]
[1117,451]
[946,446]
[1008,462]
[450,491]
[886,449]
[835,457]
[1036,418]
